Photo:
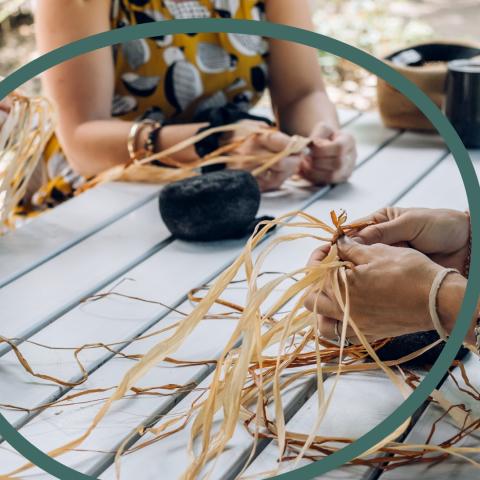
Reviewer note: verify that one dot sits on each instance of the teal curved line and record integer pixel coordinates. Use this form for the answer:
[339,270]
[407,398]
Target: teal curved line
[370,63]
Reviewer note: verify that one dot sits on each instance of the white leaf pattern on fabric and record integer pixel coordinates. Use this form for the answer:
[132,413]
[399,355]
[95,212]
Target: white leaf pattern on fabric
[187,83]
[188,9]
[172,55]
[249,45]
[136,52]
[122,105]
[213,58]
[226,7]
[217,100]
[56,165]
[165,42]
[237,84]
[155,15]
[258,13]
[153,113]
[114,11]
[140,86]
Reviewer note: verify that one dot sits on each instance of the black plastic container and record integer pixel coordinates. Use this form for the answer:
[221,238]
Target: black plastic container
[463,100]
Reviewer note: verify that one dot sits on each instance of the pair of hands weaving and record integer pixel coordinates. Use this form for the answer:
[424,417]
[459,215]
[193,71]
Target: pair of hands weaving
[396,260]
[271,156]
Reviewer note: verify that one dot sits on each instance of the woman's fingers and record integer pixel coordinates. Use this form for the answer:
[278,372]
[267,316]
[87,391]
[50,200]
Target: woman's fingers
[322,131]
[288,165]
[321,303]
[319,254]
[393,226]
[324,176]
[332,329]
[355,252]
[273,141]
[274,177]
[329,162]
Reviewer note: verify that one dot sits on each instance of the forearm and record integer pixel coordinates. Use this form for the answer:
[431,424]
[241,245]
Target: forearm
[450,298]
[301,116]
[97,145]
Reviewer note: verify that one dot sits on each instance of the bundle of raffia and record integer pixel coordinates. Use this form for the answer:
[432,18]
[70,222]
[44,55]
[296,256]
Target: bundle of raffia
[23,137]
[162,168]
[279,346]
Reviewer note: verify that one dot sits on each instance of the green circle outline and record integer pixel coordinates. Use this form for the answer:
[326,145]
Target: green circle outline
[370,63]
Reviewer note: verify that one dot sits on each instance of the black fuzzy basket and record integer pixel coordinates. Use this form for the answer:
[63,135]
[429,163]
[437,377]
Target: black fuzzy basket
[215,206]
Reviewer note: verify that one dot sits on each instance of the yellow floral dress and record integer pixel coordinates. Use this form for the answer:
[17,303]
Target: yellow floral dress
[170,76]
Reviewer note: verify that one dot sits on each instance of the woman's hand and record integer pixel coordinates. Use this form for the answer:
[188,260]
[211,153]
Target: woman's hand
[441,234]
[267,144]
[388,288]
[332,156]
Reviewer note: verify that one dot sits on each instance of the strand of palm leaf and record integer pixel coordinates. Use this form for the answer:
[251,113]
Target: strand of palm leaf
[23,137]
[277,349]
[147,170]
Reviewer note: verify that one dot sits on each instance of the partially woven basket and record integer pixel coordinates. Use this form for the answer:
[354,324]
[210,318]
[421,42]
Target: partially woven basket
[23,137]
[429,74]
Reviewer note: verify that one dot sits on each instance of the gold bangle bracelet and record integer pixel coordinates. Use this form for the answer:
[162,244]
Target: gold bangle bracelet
[132,142]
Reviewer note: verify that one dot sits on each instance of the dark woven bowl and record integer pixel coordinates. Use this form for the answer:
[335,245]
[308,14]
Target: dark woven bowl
[214,206]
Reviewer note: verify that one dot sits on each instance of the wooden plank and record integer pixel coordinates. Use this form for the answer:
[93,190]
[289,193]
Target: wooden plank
[36,299]
[371,177]
[442,188]
[359,403]
[72,222]
[173,450]
[68,224]
[113,250]
[445,429]
[350,415]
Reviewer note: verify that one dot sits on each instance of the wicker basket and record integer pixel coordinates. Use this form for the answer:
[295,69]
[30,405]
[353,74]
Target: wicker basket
[395,109]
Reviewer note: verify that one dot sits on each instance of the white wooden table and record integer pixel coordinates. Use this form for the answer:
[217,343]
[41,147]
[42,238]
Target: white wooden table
[115,232]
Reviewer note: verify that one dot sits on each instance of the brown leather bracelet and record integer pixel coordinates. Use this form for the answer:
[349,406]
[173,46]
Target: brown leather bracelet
[476,332]
[466,265]
[466,271]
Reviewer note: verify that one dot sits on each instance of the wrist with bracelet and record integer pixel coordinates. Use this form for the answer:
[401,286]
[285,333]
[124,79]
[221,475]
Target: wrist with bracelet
[134,150]
[150,143]
[436,285]
[466,271]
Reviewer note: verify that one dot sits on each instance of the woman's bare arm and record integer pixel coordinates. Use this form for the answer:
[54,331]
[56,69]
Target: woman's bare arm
[296,84]
[82,89]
